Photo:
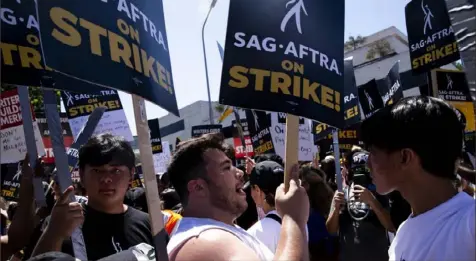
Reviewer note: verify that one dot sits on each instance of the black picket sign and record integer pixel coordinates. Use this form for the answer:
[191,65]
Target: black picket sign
[431,37]
[258,126]
[155,138]
[394,86]
[351,101]
[11,180]
[108,44]
[80,104]
[282,63]
[369,98]
[199,130]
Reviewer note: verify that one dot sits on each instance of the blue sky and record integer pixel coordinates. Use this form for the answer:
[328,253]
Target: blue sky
[184,19]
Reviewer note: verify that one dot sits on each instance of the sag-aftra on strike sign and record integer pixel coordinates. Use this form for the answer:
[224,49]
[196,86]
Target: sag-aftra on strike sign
[286,56]
[431,38]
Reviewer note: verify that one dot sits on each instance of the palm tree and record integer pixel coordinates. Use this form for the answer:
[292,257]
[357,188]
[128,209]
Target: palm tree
[353,43]
[381,48]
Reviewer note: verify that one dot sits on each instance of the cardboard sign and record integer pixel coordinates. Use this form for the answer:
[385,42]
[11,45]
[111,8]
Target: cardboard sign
[123,45]
[306,148]
[282,63]
[12,134]
[155,138]
[199,130]
[80,106]
[431,37]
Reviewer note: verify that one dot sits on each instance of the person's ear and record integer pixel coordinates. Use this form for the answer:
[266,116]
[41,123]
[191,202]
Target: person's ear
[407,157]
[197,186]
[133,172]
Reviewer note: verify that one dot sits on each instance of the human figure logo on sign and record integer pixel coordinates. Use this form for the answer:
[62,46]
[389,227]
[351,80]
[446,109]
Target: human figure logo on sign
[17,175]
[256,120]
[450,82]
[428,16]
[369,99]
[296,12]
[69,99]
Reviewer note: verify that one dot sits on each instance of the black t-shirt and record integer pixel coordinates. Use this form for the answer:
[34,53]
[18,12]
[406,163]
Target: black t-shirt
[363,240]
[107,234]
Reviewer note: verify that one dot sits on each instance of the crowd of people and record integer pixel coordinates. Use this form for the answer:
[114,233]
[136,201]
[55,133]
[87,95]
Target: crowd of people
[406,196]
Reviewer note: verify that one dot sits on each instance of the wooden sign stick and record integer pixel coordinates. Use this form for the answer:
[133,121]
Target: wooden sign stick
[291,147]
[150,181]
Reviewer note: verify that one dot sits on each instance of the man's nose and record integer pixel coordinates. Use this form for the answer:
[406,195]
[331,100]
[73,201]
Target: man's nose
[239,173]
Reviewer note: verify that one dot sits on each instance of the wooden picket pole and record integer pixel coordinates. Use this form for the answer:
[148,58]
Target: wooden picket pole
[291,147]
[150,181]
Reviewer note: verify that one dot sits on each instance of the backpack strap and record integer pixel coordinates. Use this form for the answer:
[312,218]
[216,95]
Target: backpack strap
[274,217]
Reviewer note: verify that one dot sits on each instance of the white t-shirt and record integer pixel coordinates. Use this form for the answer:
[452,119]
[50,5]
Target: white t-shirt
[445,233]
[193,227]
[268,230]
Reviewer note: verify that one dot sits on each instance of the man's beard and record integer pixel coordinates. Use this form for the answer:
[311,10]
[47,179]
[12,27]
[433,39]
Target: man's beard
[226,199]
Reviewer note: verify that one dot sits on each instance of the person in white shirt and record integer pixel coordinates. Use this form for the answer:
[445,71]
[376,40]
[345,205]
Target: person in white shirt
[211,191]
[415,146]
[265,178]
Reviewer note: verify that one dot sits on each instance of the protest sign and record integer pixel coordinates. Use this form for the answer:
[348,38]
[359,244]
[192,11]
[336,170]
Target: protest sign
[155,138]
[21,51]
[13,137]
[431,38]
[452,87]
[258,126]
[348,137]
[123,45]
[199,130]
[161,160]
[351,101]
[80,106]
[282,63]
[244,125]
[11,181]
[369,98]
[240,152]
[395,90]
[306,141]
[68,139]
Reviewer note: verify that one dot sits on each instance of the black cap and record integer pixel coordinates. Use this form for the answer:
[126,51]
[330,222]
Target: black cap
[358,163]
[267,175]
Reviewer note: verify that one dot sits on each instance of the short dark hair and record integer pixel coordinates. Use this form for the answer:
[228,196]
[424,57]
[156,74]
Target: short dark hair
[272,157]
[426,125]
[188,163]
[104,149]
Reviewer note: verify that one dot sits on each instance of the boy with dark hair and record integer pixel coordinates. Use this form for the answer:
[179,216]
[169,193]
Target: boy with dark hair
[414,148]
[106,166]
[211,191]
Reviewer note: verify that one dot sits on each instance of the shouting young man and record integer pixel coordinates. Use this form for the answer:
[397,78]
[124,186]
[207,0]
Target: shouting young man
[211,190]
[415,146]
[106,165]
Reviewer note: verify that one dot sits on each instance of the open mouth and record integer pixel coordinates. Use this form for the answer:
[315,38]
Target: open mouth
[241,190]
[106,191]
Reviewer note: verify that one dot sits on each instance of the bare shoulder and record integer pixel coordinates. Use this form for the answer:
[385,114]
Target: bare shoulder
[214,244]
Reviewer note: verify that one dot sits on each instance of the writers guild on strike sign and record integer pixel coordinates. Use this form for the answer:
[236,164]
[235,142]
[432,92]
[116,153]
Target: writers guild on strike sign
[122,44]
[199,130]
[281,63]
[431,37]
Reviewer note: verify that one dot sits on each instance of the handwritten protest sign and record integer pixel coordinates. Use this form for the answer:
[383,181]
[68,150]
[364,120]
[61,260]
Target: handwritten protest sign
[12,135]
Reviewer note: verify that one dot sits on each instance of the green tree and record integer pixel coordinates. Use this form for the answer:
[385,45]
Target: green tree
[379,48]
[353,43]
[36,96]
[459,66]
[220,108]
